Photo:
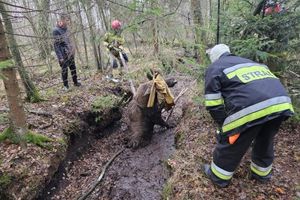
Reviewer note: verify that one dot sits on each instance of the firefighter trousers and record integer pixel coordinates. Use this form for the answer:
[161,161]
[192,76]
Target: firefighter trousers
[226,156]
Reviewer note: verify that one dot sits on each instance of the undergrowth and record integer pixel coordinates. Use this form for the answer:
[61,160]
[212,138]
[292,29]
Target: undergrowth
[5,180]
[105,102]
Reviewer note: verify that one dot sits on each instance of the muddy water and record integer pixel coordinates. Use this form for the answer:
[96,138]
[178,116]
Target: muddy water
[140,174]
[134,175]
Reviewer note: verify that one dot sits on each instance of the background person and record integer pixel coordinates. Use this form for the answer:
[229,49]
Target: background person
[65,50]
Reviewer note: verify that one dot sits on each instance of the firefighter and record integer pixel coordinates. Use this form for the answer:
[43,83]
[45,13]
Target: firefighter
[114,42]
[248,103]
[268,7]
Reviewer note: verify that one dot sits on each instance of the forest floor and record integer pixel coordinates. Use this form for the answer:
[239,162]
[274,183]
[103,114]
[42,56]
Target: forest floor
[168,168]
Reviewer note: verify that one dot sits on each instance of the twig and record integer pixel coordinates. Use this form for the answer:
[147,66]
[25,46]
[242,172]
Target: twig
[42,113]
[4,110]
[176,99]
[86,194]
[294,73]
[42,127]
[148,19]
[122,5]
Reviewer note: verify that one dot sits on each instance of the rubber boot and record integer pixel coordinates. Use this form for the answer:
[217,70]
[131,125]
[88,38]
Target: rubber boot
[261,179]
[218,182]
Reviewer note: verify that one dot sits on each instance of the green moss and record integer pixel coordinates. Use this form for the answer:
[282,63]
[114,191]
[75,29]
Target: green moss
[167,191]
[179,137]
[4,118]
[34,97]
[6,64]
[5,180]
[61,141]
[9,135]
[105,102]
[37,139]
[1,76]
[2,136]
[51,92]
[29,137]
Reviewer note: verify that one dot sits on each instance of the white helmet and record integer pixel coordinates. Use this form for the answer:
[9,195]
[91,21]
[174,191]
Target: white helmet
[215,52]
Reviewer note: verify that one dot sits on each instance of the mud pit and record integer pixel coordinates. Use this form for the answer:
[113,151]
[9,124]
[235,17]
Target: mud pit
[135,174]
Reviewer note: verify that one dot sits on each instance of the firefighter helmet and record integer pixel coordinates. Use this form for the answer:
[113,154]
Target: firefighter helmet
[116,24]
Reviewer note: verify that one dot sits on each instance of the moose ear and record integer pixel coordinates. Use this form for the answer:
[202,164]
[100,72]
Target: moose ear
[171,82]
[149,76]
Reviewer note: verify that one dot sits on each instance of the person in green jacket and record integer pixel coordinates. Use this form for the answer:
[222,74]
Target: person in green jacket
[114,42]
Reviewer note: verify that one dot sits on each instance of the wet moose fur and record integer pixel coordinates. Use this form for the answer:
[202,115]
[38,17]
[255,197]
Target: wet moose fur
[143,119]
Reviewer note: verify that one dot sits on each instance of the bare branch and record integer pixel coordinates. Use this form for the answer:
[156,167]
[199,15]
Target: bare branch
[86,194]
[122,5]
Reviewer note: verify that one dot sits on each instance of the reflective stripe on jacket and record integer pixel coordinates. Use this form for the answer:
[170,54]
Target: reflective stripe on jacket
[240,93]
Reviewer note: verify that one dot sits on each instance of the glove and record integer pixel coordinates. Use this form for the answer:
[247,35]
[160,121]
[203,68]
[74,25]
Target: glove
[110,46]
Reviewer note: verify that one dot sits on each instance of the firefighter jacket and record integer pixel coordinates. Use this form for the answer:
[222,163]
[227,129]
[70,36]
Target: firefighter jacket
[114,39]
[240,93]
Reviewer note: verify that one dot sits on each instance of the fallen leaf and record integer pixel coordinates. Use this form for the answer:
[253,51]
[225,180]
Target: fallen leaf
[279,190]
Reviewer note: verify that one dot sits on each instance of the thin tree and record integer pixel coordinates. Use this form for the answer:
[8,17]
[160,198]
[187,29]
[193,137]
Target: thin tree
[155,30]
[101,7]
[43,27]
[17,115]
[88,11]
[73,36]
[199,35]
[31,91]
[83,33]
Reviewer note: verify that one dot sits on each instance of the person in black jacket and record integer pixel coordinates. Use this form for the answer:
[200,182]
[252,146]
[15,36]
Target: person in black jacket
[65,51]
[248,103]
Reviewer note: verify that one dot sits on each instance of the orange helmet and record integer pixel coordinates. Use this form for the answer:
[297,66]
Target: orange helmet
[116,24]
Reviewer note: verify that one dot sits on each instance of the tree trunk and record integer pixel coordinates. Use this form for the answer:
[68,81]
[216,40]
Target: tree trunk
[83,35]
[31,91]
[199,35]
[92,33]
[206,16]
[155,31]
[43,27]
[101,6]
[73,28]
[155,36]
[17,114]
